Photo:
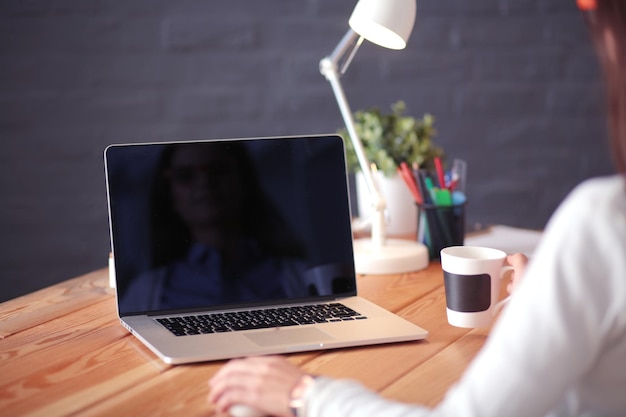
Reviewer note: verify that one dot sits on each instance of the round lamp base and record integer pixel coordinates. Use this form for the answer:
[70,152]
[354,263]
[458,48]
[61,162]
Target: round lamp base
[396,256]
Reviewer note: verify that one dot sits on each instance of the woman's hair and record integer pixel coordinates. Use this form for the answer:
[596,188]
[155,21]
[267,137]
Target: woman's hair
[610,16]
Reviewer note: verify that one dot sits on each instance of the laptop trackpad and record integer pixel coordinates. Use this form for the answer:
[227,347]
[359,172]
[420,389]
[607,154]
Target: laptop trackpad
[288,336]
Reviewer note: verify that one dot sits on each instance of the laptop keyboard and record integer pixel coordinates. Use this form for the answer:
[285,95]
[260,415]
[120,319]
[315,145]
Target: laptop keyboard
[259,319]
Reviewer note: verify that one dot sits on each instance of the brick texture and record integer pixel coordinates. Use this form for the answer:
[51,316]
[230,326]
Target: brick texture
[513,85]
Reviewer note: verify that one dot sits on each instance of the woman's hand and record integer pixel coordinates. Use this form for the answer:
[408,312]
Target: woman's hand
[263,383]
[518,261]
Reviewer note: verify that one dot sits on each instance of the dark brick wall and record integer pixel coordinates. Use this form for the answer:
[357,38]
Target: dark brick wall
[513,85]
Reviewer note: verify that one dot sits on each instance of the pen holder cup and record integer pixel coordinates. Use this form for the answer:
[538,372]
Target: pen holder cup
[440,226]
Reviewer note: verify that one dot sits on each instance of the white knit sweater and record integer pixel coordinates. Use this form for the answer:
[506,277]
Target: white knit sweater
[559,348]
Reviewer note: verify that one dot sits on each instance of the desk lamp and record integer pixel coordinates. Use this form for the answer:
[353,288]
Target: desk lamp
[387,23]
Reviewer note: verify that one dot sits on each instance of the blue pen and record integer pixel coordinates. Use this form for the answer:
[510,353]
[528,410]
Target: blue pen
[431,190]
[421,183]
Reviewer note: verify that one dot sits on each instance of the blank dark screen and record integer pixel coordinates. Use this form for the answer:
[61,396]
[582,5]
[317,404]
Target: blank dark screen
[206,224]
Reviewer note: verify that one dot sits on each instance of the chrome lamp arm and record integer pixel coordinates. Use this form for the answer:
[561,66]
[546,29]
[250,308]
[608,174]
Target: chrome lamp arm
[329,67]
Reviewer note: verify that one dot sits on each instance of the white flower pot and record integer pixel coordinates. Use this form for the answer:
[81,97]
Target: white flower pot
[402,211]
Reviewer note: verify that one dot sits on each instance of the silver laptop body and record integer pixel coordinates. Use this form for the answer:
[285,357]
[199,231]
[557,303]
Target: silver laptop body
[222,249]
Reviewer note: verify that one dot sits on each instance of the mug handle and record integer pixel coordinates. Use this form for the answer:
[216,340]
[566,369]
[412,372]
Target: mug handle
[502,302]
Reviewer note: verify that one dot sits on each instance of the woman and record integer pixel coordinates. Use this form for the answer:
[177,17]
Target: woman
[559,348]
[213,234]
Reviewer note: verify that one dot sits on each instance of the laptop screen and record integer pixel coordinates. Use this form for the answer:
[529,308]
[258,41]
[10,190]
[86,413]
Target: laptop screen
[213,224]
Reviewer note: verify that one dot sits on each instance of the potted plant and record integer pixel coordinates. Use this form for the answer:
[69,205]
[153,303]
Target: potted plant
[389,139]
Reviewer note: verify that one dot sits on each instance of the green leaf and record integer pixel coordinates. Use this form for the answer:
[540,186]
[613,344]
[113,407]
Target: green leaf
[389,139]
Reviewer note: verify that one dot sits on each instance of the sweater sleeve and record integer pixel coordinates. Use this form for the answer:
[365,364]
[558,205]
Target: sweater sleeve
[346,398]
[549,336]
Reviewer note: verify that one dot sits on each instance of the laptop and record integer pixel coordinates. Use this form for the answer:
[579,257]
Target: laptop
[237,247]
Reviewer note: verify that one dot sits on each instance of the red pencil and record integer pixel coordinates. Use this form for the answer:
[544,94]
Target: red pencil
[409,180]
[440,175]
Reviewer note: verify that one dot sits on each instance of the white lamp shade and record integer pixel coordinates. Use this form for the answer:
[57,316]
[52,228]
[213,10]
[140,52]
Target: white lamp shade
[387,23]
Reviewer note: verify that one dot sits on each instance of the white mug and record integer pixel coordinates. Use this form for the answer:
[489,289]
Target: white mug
[472,277]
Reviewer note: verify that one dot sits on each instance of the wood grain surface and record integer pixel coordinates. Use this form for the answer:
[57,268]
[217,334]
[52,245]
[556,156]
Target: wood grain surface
[63,352]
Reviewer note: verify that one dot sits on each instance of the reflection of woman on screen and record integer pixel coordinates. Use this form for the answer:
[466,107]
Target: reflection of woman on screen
[214,234]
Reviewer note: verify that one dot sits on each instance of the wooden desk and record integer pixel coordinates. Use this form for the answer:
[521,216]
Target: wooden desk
[63,352]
